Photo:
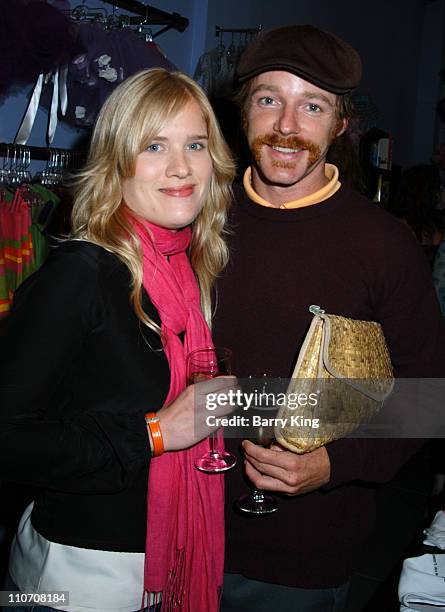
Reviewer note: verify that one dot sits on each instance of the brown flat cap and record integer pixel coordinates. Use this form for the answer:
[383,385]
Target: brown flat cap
[316,56]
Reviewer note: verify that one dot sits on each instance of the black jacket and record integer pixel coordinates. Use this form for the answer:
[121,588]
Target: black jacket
[77,373]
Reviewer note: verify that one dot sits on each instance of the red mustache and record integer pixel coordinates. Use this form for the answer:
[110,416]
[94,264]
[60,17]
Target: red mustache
[292,142]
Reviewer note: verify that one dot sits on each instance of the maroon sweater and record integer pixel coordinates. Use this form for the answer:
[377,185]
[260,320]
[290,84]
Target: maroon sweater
[353,259]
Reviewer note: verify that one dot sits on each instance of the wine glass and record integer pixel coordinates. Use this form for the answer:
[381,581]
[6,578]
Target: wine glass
[258,502]
[203,364]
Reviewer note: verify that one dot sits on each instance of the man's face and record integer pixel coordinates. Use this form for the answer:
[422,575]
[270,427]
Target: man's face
[290,125]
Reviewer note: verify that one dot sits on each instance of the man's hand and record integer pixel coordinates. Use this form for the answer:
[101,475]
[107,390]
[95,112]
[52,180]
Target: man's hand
[276,469]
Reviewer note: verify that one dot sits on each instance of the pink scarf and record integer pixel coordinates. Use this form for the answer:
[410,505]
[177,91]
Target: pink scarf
[184,553]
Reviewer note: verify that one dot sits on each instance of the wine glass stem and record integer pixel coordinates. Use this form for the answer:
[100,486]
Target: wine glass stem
[212,443]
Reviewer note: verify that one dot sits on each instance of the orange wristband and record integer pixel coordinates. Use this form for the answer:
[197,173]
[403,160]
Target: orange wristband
[154,430]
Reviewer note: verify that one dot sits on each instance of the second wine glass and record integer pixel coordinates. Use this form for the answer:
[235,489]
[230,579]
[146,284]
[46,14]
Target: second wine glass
[202,364]
[259,502]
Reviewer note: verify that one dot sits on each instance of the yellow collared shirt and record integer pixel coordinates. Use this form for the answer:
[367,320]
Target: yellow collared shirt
[324,193]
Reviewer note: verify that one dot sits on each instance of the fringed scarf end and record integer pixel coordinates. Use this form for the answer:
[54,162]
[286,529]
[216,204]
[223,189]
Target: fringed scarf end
[151,599]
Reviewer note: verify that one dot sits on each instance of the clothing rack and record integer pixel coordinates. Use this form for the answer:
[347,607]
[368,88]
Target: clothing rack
[256,30]
[152,15]
[39,153]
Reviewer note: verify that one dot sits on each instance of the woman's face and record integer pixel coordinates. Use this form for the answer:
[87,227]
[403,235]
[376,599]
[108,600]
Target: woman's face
[172,177]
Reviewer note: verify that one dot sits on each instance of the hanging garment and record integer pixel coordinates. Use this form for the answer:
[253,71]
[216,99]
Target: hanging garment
[42,213]
[5,302]
[215,73]
[16,240]
[110,56]
[89,66]
[24,218]
[35,38]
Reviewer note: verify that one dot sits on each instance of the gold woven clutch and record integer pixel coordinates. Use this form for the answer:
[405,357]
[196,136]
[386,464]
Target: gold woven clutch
[342,376]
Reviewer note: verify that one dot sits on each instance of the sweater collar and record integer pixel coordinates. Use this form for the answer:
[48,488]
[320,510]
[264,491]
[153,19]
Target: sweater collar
[331,173]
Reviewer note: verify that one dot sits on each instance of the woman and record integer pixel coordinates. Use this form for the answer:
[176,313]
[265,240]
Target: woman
[98,338]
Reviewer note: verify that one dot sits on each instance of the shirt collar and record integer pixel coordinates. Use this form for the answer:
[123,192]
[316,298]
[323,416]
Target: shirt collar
[331,173]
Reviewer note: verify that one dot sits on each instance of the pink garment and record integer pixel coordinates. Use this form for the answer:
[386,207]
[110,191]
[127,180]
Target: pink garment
[184,554]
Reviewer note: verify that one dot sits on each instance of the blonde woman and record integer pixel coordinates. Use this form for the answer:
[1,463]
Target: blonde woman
[101,333]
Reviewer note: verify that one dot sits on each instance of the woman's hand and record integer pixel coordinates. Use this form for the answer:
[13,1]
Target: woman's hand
[184,422]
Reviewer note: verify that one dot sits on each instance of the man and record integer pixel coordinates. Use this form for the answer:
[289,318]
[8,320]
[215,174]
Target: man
[301,238]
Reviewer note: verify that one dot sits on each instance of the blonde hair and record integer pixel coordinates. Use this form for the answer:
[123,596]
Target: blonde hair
[131,117]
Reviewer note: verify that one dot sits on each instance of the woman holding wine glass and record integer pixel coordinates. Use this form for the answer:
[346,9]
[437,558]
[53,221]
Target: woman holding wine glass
[102,332]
